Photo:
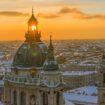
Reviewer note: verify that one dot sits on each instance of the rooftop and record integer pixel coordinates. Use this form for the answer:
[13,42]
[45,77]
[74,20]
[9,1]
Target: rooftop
[82,95]
[78,73]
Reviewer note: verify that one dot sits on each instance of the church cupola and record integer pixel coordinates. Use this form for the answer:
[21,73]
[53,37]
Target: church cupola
[33,34]
[50,64]
[32,53]
[32,23]
[51,69]
[51,83]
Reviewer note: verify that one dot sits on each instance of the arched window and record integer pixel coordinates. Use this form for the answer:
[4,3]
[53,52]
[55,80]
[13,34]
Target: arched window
[14,97]
[32,100]
[45,98]
[22,98]
[57,98]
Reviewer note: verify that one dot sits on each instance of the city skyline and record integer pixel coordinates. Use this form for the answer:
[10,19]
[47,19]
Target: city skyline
[66,19]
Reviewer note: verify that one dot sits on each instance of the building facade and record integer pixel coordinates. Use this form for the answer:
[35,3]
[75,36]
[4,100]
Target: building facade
[76,79]
[101,82]
[35,78]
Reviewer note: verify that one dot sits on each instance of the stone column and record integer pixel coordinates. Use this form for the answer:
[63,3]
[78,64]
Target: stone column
[37,97]
[11,95]
[55,98]
[27,97]
[61,99]
[18,97]
[8,96]
[51,100]
[40,97]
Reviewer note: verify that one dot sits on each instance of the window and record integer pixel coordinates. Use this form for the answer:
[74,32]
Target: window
[45,98]
[57,96]
[14,97]
[22,98]
[32,100]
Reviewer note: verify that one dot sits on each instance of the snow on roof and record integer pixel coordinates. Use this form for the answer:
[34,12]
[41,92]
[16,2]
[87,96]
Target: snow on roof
[68,102]
[78,73]
[1,83]
[83,95]
[1,103]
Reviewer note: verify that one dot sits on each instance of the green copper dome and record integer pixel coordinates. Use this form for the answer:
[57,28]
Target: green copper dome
[32,52]
[30,55]
[50,63]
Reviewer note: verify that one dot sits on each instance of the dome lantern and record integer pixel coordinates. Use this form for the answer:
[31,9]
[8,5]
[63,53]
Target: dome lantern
[32,23]
[33,35]
[32,53]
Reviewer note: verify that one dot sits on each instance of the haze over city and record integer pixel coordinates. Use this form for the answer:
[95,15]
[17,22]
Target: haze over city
[67,19]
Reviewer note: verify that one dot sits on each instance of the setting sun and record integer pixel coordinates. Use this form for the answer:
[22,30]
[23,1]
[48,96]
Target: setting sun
[33,28]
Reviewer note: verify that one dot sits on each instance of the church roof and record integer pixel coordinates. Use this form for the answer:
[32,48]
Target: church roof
[32,18]
[30,55]
[32,52]
[86,95]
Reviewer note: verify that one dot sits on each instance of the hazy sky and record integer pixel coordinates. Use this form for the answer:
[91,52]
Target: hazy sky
[66,19]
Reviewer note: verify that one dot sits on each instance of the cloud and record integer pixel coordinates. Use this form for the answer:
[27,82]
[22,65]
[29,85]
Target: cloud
[91,16]
[73,12]
[61,12]
[69,10]
[13,13]
[48,16]
[76,13]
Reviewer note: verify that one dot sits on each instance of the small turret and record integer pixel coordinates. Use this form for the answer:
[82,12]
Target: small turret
[50,63]
[51,80]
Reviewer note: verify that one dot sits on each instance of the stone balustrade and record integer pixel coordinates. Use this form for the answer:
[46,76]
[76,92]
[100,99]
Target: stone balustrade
[20,79]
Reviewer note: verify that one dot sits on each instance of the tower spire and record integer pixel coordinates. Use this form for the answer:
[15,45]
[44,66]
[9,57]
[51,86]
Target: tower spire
[50,63]
[50,49]
[50,40]
[32,11]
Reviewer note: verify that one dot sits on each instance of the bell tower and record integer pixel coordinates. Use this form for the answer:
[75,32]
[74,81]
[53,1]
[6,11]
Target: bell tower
[33,33]
[101,81]
[51,82]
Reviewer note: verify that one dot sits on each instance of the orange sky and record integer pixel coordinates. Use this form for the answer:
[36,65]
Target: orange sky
[76,21]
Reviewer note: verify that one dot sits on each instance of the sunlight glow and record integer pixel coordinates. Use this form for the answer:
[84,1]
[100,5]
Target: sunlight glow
[33,28]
